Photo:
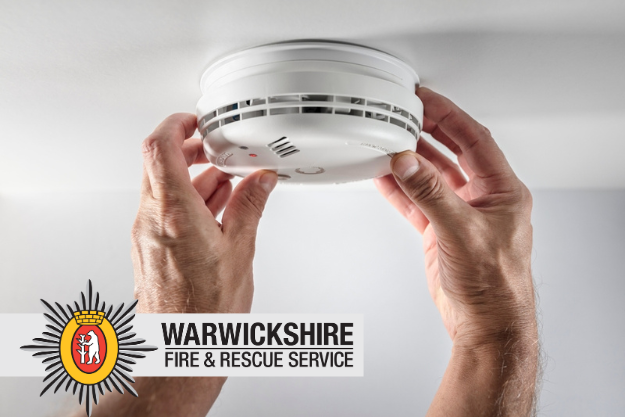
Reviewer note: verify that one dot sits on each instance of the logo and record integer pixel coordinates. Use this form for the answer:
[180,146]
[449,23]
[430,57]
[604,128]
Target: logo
[89,348]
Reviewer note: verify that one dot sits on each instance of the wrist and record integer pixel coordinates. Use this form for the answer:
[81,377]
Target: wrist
[489,379]
[510,349]
[498,316]
[199,294]
[497,333]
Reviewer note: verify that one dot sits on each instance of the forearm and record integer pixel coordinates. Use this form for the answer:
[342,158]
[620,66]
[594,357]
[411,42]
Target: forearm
[493,380]
[170,396]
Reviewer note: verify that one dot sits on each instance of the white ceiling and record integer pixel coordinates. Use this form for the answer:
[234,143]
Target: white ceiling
[82,83]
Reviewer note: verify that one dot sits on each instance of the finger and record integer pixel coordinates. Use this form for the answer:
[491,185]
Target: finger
[246,205]
[430,127]
[462,161]
[207,182]
[388,187]
[425,186]
[164,160]
[451,123]
[193,151]
[450,171]
[217,202]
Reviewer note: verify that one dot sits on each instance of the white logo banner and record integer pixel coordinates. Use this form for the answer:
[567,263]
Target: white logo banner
[215,345]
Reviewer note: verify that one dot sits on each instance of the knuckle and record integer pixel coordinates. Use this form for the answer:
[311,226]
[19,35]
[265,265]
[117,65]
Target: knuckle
[162,219]
[151,145]
[522,197]
[170,196]
[427,188]
[172,224]
[253,202]
[486,130]
[528,199]
[136,231]
[245,244]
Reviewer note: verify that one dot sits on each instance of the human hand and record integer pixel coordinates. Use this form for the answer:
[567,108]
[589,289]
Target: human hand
[184,260]
[477,239]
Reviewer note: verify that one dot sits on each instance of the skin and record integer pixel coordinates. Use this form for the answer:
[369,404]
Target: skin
[184,260]
[477,240]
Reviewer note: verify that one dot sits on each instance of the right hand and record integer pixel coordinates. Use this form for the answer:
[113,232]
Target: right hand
[477,233]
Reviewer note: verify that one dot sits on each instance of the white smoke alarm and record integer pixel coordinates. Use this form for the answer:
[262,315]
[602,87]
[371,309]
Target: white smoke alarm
[314,112]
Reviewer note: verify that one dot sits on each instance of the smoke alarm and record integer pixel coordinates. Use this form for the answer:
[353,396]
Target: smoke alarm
[314,112]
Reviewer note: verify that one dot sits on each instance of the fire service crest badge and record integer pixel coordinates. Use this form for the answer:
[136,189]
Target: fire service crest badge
[88,348]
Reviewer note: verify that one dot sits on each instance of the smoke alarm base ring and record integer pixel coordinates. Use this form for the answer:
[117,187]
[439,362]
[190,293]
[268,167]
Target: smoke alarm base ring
[314,112]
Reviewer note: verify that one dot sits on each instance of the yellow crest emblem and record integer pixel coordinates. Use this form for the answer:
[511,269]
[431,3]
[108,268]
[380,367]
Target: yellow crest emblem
[89,346]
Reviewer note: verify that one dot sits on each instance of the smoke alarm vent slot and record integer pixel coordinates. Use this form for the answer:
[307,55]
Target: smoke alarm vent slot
[252,114]
[348,110]
[284,155]
[284,99]
[349,100]
[416,121]
[212,127]
[276,141]
[376,116]
[227,108]
[208,117]
[282,147]
[256,102]
[401,111]
[316,110]
[317,97]
[285,150]
[284,110]
[379,105]
[228,120]
[351,112]
[398,122]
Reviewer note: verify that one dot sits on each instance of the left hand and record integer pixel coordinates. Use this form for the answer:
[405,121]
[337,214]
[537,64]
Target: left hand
[184,260]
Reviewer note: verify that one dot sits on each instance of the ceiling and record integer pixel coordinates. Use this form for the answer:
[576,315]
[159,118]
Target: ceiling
[82,83]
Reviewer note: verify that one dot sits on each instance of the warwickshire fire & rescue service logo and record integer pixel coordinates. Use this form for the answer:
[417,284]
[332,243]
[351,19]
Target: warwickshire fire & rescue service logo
[89,346]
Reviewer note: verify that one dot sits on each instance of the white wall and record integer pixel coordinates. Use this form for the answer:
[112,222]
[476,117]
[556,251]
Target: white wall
[343,251]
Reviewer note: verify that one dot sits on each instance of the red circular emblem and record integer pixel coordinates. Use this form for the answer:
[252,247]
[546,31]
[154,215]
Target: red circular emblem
[89,348]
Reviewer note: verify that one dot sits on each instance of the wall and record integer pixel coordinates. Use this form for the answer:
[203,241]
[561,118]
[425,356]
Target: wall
[343,251]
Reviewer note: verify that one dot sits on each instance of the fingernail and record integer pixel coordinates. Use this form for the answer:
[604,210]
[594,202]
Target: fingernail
[405,166]
[268,181]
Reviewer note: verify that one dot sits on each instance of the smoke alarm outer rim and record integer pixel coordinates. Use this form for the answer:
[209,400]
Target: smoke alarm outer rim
[342,110]
[295,51]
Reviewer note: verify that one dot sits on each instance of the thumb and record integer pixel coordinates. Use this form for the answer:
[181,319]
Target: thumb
[425,186]
[246,205]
